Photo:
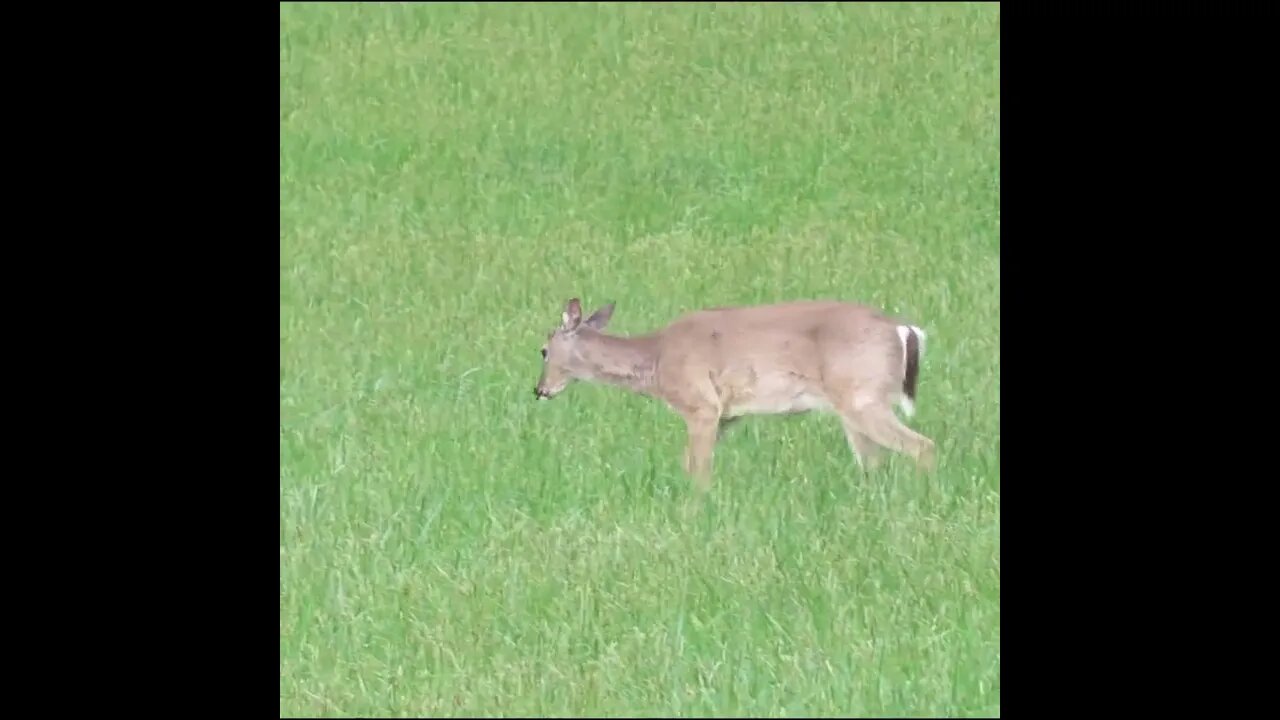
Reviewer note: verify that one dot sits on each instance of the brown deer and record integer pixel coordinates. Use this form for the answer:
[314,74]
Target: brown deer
[715,366]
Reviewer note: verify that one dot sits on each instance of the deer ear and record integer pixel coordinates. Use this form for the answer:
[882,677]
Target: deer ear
[600,318]
[572,315]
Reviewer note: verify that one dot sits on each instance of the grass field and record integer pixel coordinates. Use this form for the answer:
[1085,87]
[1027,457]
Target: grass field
[449,176]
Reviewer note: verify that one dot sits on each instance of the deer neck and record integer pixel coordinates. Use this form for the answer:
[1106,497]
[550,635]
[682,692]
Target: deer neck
[626,362]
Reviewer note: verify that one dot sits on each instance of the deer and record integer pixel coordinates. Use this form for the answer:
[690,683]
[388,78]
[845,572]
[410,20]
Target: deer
[717,365]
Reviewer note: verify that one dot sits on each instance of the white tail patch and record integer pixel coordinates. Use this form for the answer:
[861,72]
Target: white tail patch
[902,335]
[908,407]
[904,331]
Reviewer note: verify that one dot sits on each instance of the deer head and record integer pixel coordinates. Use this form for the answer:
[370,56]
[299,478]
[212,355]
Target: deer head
[563,358]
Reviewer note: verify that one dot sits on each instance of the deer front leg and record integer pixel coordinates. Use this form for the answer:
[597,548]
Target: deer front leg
[703,428]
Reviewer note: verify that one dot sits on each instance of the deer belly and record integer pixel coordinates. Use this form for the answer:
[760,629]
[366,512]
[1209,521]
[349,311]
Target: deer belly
[781,397]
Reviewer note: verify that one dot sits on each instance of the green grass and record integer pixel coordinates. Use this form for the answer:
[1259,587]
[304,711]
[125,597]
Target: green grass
[449,176]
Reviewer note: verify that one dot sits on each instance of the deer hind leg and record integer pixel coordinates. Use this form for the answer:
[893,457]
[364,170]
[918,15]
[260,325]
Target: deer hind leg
[865,450]
[879,423]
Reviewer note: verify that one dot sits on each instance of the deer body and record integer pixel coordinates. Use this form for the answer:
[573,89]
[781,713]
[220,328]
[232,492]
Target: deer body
[714,366]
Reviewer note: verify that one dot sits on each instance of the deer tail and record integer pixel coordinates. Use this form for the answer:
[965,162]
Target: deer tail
[912,339]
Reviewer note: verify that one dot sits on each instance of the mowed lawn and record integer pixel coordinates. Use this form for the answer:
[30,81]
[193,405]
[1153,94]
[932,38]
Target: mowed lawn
[449,176]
